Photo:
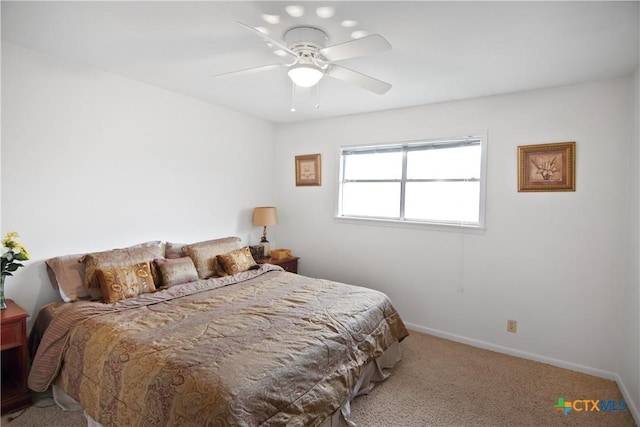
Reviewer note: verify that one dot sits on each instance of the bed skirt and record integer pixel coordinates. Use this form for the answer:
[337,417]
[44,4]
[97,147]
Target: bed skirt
[376,371]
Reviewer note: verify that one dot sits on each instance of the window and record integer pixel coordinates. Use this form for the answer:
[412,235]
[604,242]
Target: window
[436,182]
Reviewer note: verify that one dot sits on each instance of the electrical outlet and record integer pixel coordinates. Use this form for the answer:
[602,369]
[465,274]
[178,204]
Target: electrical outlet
[512,326]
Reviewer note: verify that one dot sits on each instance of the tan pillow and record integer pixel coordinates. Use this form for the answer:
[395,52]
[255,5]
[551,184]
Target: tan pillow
[176,271]
[66,274]
[174,250]
[144,252]
[218,268]
[204,254]
[237,261]
[125,282]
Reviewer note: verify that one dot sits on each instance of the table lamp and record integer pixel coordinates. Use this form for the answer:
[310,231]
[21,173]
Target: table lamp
[263,216]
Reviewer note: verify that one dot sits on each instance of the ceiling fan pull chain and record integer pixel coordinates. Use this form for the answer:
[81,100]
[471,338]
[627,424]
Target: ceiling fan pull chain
[293,97]
[317,95]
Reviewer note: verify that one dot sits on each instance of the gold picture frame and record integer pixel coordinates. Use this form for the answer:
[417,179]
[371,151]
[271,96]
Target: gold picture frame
[547,167]
[308,170]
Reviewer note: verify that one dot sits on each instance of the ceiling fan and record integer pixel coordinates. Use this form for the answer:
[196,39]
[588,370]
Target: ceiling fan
[313,59]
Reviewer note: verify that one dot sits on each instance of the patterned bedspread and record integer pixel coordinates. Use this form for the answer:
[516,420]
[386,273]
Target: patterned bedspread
[264,347]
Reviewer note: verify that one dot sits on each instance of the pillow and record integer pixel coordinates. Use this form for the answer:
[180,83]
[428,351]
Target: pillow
[218,268]
[204,254]
[174,250]
[66,274]
[237,261]
[144,252]
[176,271]
[125,282]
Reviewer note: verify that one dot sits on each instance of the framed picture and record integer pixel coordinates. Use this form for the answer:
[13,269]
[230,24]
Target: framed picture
[547,167]
[308,170]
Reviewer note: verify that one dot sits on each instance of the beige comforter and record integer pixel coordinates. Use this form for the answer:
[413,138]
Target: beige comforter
[264,347]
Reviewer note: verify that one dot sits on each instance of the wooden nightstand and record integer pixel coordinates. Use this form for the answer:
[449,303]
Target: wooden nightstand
[13,349]
[289,264]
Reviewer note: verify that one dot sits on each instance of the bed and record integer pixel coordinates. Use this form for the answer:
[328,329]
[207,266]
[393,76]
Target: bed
[258,347]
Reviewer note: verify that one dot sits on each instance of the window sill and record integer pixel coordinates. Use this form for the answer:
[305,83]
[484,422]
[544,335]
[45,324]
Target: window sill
[454,228]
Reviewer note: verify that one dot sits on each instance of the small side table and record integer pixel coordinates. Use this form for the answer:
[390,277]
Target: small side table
[13,356]
[289,264]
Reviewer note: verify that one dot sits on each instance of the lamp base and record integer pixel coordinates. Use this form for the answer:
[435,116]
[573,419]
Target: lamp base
[257,252]
[266,247]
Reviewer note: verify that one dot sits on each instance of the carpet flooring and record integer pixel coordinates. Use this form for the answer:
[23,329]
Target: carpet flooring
[444,383]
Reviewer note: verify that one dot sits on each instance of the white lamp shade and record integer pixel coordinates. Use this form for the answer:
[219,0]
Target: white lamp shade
[266,215]
[305,75]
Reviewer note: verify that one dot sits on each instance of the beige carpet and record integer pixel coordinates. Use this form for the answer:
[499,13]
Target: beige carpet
[443,383]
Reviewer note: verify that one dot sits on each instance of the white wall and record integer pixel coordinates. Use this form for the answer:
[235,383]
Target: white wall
[555,262]
[630,307]
[93,161]
[633,360]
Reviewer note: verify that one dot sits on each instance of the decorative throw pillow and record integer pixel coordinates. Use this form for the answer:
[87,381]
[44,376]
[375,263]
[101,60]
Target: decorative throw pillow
[174,250]
[125,282]
[237,261]
[176,271]
[144,252]
[218,268]
[204,254]
[67,277]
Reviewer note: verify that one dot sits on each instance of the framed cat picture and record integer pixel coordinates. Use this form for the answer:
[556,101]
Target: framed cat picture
[547,167]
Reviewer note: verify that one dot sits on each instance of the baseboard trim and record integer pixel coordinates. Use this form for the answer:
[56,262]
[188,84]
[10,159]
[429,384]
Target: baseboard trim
[537,358]
[631,405]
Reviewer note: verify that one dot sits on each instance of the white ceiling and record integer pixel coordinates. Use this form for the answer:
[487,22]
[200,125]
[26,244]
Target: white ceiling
[442,51]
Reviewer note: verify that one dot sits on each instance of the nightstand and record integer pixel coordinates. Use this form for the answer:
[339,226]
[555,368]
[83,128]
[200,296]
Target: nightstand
[13,356]
[289,264]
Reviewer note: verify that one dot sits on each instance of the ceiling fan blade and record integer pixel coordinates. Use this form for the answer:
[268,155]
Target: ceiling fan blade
[254,69]
[358,79]
[268,39]
[364,46]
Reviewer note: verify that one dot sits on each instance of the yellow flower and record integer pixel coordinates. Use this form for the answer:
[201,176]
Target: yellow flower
[22,249]
[8,240]
[12,255]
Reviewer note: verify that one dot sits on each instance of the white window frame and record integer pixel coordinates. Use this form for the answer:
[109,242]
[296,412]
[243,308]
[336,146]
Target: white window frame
[405,146]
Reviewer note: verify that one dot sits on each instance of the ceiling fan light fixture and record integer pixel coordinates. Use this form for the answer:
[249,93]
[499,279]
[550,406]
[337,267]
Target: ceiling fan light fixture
[271,19]
[305,75]
[358,34]
[325,12]
[295,10]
